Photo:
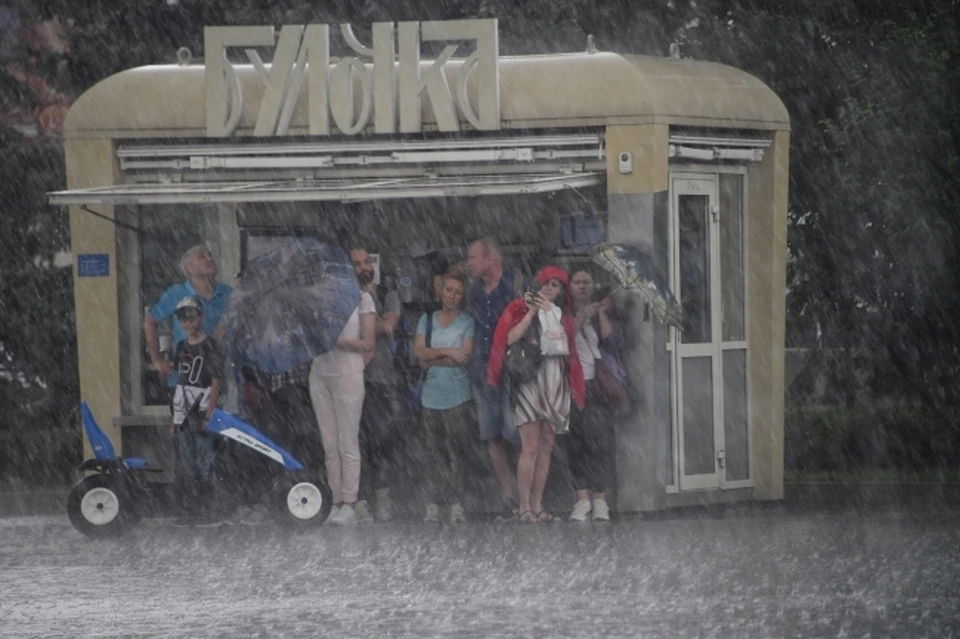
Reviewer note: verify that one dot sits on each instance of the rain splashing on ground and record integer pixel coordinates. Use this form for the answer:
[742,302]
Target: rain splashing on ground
[749,571]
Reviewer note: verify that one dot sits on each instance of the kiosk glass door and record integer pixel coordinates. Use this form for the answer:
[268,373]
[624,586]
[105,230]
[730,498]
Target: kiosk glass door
[711,434]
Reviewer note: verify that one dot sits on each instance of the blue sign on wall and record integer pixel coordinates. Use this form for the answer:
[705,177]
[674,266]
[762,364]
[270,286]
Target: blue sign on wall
[93,265]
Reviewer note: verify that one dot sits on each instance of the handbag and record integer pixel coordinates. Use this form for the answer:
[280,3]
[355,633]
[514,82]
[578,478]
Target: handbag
[253,393]
[523,361]
[605,385]
[416,391]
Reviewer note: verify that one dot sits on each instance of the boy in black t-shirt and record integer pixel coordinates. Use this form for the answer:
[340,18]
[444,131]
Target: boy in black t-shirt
[195,397]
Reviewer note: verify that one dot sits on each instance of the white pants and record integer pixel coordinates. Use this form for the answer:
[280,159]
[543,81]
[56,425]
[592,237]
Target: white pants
[337,404]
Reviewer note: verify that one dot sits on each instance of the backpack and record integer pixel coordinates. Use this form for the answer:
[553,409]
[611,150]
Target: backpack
[400,340]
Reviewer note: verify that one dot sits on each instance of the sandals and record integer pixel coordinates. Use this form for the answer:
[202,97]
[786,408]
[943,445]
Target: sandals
[530,517]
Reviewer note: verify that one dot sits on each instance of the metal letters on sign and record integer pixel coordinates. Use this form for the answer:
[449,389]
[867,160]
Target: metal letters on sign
[385,82]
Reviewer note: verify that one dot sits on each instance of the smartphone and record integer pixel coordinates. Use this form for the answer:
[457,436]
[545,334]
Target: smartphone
[532,287]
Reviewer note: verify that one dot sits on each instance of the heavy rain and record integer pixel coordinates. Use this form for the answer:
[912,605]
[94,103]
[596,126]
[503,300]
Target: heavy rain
[479,318]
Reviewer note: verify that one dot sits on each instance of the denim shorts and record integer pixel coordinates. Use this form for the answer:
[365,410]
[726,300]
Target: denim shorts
[493,412]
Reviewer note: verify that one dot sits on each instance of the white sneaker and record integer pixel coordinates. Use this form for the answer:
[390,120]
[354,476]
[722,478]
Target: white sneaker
[601,512]
[346,517]
[433,514]
[457,516]
[333,514]
[363,512]
[580,510]
[384,505]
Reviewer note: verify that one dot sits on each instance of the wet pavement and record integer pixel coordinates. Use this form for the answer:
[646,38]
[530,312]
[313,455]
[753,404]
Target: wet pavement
[744,572]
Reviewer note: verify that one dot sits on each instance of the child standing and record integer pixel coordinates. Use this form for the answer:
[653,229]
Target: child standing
[195,397]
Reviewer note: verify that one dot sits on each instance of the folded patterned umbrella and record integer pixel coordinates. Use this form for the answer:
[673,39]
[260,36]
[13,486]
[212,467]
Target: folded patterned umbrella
[635,270]
[290,305]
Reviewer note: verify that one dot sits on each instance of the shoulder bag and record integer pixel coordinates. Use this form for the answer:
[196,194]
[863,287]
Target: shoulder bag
[605,384]
[416,393]
[523,360]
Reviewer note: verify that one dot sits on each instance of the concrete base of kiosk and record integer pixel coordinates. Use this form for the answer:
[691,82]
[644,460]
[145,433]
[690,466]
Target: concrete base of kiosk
[148,437]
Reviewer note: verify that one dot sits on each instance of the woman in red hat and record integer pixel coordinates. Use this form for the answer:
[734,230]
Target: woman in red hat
[541,404]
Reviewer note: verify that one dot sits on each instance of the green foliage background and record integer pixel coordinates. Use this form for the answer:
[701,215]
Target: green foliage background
[874,194]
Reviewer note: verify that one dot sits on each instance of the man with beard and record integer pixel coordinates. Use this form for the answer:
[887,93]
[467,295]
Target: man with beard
[381,404]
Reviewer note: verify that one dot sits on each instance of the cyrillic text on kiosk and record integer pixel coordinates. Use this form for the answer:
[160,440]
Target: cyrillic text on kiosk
[391,79]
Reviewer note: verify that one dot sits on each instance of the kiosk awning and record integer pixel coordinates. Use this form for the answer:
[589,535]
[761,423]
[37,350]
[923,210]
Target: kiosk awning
[316,190]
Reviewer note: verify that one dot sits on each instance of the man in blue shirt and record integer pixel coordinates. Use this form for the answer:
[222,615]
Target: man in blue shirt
[489,296]
[198,265]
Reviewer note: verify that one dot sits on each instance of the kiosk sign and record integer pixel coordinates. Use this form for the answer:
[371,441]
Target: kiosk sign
[387,80]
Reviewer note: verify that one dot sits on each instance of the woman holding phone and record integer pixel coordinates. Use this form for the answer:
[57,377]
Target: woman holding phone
[541,404]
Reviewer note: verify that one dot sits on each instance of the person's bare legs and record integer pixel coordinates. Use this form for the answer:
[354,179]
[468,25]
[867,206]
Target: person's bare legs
[526,465]
[501,466]
[542,467]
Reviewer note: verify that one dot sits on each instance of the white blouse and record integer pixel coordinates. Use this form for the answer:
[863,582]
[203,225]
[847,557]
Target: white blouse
[588,350]
[340,361]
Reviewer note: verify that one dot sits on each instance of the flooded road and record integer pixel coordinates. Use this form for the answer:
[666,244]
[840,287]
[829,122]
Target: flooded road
[753,572]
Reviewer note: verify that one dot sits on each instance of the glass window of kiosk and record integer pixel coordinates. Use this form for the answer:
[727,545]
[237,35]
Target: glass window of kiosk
[257,241]
[533,230]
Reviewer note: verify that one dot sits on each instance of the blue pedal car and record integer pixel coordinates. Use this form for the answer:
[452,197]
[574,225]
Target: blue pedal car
[114,499]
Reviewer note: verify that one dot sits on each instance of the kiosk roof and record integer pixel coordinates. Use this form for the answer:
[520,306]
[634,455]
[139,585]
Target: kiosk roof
[544,91]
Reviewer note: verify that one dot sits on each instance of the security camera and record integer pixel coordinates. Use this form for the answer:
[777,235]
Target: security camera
[626,162]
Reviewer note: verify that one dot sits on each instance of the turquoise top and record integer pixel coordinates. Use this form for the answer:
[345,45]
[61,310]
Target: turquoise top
[446,386]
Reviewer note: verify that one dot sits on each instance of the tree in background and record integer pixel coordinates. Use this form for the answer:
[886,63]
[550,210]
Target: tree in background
[38,376]
[38,371]
[873,274]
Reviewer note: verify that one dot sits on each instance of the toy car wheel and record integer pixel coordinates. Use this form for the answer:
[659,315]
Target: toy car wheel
[98,507]
[303,499]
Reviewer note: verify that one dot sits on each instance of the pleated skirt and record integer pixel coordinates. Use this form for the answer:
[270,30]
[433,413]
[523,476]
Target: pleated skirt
[546,398]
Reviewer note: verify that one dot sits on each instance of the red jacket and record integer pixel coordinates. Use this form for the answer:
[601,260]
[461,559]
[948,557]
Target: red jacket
[515,312]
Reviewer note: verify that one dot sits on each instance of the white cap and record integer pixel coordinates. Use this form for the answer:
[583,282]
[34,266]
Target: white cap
[189,302]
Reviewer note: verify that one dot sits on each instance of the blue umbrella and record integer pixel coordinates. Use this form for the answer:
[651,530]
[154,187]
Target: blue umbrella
[290,305]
